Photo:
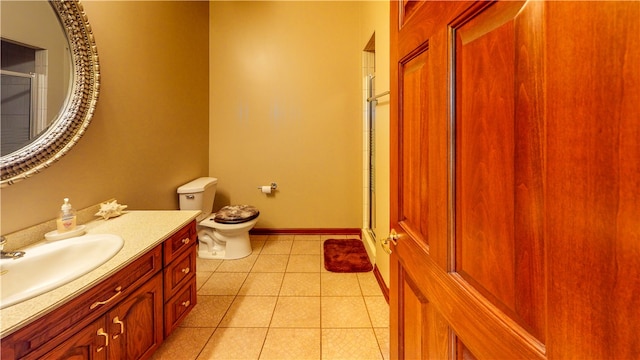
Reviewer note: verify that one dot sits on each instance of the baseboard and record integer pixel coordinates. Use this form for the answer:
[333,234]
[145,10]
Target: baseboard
[323,231]
[383,286]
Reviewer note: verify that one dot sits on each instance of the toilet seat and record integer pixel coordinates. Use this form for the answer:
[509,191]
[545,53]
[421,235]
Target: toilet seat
[236,214]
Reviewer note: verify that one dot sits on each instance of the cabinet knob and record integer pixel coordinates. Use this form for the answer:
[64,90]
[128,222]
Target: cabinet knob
[186,270]
[186,303]
[186,240]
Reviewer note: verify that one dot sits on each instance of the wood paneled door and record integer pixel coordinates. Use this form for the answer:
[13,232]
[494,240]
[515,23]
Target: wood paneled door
[515,184]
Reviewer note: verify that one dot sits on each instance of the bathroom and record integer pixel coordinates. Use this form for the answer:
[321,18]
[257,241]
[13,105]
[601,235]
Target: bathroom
[261,92]
[248,92]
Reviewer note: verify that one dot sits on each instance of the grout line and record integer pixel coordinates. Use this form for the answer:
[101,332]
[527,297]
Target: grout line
[284,273]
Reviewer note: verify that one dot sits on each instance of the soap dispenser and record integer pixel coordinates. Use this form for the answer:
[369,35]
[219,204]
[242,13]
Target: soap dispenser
[67,219]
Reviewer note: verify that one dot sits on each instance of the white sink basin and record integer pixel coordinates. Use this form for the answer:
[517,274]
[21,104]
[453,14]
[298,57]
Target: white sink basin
[47,266]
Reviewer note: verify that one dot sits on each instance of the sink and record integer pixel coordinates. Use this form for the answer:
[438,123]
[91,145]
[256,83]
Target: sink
[47,266]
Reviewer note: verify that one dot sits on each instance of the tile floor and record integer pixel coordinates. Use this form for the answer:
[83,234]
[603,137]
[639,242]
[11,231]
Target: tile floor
[280,303]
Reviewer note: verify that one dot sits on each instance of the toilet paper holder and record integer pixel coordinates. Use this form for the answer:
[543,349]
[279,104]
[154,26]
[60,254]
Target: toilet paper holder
[274,186]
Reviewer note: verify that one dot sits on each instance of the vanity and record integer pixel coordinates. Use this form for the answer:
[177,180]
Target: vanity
[123,309]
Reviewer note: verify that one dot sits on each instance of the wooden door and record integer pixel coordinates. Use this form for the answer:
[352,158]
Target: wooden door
[136,323]
[515,180]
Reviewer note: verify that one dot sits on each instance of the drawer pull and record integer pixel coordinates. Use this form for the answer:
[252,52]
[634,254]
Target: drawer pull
[186,270]
[186,241]
[186,303]
[116,320]
[101,332]
[98,303]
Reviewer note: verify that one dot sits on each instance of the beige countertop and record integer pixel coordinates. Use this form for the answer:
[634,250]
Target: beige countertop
[141,231]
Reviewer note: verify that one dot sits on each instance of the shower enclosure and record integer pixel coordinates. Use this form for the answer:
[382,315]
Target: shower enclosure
[371,156]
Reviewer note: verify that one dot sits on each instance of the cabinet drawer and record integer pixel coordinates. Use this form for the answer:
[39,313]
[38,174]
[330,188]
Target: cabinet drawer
[177,308]
[179,242]
[84,309]
[179,272]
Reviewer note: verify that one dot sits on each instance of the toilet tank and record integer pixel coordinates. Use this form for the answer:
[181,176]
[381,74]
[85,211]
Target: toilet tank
[198,195]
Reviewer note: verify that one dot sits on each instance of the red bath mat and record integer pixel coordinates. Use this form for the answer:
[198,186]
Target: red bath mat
[345,256]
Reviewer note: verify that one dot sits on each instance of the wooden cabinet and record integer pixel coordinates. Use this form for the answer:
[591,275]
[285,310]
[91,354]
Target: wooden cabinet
[52,329]
[126,316]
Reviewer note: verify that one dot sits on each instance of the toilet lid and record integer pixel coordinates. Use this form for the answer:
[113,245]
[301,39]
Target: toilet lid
[236,214]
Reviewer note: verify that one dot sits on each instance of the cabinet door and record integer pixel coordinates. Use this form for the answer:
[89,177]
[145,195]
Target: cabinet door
[136,323]
[91,342]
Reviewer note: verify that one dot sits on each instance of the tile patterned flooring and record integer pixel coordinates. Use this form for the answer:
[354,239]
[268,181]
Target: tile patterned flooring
[280,303]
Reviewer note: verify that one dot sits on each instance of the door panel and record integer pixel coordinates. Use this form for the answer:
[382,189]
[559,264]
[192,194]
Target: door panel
[415,150]
[415,306]
[498,239]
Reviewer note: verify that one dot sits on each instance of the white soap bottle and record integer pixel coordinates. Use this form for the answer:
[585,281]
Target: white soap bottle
[67,219]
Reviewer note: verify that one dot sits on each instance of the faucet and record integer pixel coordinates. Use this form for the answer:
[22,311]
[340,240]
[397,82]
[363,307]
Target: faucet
[9,254]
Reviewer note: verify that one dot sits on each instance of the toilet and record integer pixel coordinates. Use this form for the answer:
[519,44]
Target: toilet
[221,235]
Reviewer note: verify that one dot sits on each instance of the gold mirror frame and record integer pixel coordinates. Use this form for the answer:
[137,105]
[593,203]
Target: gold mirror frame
[76,114]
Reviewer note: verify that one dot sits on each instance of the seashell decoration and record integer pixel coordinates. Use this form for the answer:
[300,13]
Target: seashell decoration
[110,209]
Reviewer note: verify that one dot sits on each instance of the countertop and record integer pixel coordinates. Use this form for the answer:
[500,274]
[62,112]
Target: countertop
[141,231]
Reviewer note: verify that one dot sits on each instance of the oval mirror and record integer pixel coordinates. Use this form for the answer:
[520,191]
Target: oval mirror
[50,83]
